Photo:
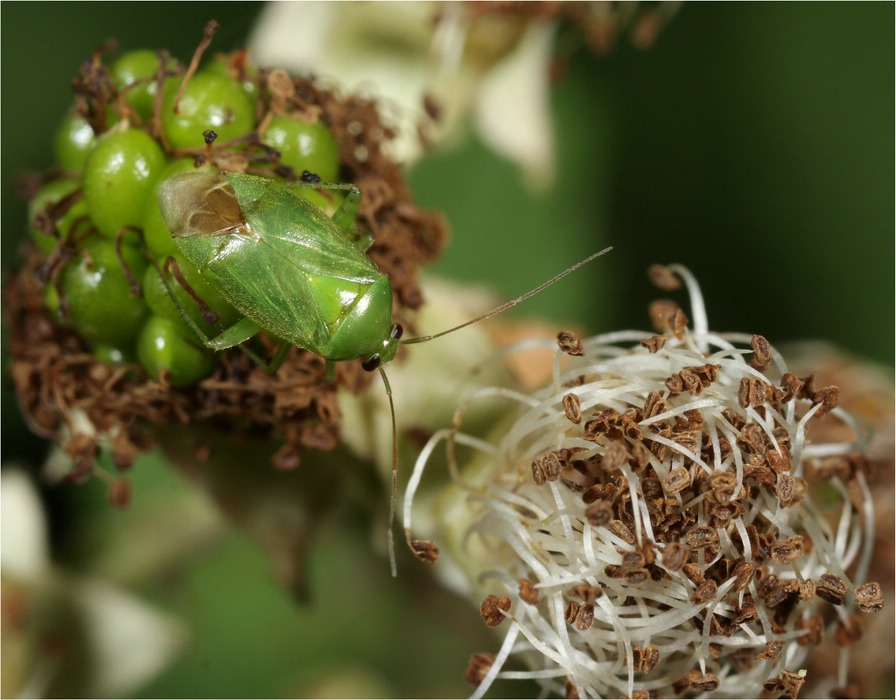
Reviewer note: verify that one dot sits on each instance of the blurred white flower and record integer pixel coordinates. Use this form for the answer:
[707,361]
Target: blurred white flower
[409,54]
[64,633]
[656,521]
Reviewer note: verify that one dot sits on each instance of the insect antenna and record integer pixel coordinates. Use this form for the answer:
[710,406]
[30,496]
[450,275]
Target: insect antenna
[422,549]
[393,499]
[513,302]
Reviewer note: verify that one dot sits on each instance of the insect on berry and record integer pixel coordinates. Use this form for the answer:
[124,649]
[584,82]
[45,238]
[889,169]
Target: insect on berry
[293,272]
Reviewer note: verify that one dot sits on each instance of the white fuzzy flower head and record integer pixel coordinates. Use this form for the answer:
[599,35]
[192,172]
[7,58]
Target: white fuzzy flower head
[658,521]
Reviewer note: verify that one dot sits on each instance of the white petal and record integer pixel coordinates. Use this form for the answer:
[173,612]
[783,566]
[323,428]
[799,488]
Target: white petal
[129,641]
[24,554]
[513,110]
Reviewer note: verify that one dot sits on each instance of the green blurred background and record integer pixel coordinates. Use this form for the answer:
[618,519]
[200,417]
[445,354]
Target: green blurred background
[753,143]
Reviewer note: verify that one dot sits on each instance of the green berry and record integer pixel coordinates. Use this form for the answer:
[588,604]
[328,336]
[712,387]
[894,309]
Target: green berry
[160,347]
[304,146]
[210,102]
[51,301]
[119,176]
[112,355]
[155,232]
[74,221]
[221,65]
[132,67]
[72,142]
[159,301]
[99,294]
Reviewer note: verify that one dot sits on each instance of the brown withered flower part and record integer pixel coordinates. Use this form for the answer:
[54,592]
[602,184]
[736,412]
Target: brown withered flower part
[688,494]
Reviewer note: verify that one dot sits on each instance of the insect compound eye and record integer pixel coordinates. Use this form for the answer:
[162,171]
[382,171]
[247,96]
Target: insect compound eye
[371,363]
[397,331]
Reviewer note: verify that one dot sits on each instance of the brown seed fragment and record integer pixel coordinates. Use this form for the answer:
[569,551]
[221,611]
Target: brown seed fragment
[814,630]
[869,597]
[772,650]
[654,404]
[425,550]
[743,573]
[807,589]
[662,313]
[599,492]
[585,617]
[676,481]
[618,528]
[762,352]
[538,475]
[636,577]
[752,439]
[705,592]
[599,513]
[745,613]
[645,659]
[675,556]
[586,592]
[790,490]
[654,343]
[572,609]
[696,681]
[694,573]
[492,609]
[477,668]
[528,592]
[679,323]
[789,550]
[613,571]
[783,594]
[701,536]
[615,457]
[724,486]
[832,589]
[552,466]
[663,278]
[120,493]
[547,467]
[827,397]
[790,387]
[849,631]
[640,455]
[789,683]
[752,391]
[632,560]
[570,343]
[573,408]
[779,461]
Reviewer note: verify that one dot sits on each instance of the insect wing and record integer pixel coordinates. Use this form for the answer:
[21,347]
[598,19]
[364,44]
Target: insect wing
[274,256]
[309,238]
[199,204]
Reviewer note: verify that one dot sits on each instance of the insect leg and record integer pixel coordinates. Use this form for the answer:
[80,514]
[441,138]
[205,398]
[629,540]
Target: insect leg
[235,335]
[344,216]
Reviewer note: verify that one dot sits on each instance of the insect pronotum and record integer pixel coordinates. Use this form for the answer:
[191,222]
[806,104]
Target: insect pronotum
[296,273]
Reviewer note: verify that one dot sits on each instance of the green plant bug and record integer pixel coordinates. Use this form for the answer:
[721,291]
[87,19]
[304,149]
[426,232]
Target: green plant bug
[296,273]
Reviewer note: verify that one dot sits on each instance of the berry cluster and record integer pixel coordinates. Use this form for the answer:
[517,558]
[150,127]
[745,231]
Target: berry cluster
[99,222]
